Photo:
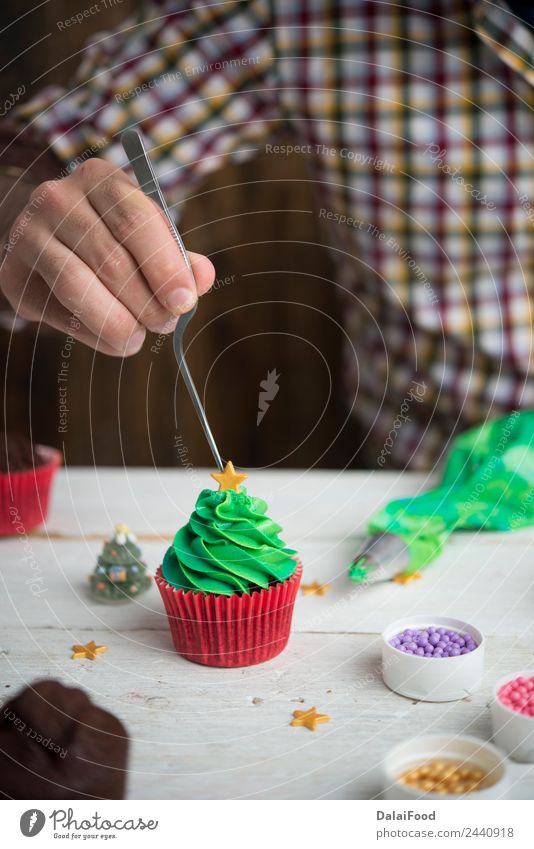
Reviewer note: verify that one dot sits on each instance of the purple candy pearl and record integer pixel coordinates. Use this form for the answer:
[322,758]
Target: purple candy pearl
[433,642]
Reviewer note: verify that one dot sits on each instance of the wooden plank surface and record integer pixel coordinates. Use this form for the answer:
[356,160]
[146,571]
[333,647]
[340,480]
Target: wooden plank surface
[216,733]
[206,733]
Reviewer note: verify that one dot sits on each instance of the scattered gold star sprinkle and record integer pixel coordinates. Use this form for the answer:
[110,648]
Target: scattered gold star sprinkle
[403,578]
[88,652]
[309,718]
[315,589]
[229,479]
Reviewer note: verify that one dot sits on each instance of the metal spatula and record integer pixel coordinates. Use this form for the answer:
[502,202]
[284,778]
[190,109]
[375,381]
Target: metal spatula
[142,167]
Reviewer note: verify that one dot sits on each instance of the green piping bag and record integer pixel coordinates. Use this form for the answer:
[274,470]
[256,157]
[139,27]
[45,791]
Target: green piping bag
[487,484]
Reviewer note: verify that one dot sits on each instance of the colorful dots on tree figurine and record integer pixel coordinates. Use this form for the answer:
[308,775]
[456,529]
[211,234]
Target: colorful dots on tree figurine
[120,574]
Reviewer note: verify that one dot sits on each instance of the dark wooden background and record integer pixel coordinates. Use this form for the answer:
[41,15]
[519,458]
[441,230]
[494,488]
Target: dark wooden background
[277,312]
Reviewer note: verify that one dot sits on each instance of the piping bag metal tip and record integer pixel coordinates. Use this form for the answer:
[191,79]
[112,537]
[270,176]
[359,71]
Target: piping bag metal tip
[381,558]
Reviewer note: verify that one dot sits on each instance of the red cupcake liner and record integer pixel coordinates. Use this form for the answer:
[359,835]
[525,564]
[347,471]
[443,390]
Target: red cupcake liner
[237,630]
[24,495]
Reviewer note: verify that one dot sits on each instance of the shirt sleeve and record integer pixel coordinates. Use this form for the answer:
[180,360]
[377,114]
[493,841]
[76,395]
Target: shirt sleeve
[198,81]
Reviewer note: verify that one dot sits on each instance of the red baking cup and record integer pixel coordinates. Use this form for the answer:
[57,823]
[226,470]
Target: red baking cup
[236,630]
[24,495]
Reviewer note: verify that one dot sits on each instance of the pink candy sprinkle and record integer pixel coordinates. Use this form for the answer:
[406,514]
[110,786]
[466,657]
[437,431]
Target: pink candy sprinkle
[518,695]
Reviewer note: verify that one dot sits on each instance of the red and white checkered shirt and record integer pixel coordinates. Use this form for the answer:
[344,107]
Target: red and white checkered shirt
[419,126]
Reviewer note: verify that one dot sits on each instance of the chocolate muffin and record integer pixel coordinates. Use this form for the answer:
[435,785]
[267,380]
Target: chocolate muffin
[18,453]
[56,744]
[26,475]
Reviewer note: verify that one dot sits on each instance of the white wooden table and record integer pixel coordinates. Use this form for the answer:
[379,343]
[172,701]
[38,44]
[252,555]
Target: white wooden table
[215,733]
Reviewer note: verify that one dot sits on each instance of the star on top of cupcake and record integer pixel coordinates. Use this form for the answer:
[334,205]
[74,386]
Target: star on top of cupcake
[229,479]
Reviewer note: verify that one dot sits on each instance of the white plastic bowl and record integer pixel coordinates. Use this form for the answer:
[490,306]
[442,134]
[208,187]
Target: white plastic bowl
[513,732]
[419,750]
[432,679]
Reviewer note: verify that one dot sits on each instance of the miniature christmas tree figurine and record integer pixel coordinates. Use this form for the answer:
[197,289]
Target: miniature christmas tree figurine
[120,574]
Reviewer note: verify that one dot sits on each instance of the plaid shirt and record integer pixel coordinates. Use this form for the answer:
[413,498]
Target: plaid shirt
[420,132]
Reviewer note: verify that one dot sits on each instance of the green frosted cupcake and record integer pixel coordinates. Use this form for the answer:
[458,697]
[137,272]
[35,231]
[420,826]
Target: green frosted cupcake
[228,546]
[228,581]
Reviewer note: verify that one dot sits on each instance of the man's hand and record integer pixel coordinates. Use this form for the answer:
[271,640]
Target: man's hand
[94,246]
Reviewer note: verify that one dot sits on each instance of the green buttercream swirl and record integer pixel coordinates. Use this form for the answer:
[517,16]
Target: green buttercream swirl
[228,546]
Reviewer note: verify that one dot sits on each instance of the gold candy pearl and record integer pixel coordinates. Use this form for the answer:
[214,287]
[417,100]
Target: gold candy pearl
[477,774]
[462,787]
[439,774]
[450,772]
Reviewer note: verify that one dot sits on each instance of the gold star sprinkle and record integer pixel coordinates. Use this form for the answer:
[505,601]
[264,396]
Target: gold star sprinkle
[315,589]
[88,652]
[403,578]
[229,479]
[309,718]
